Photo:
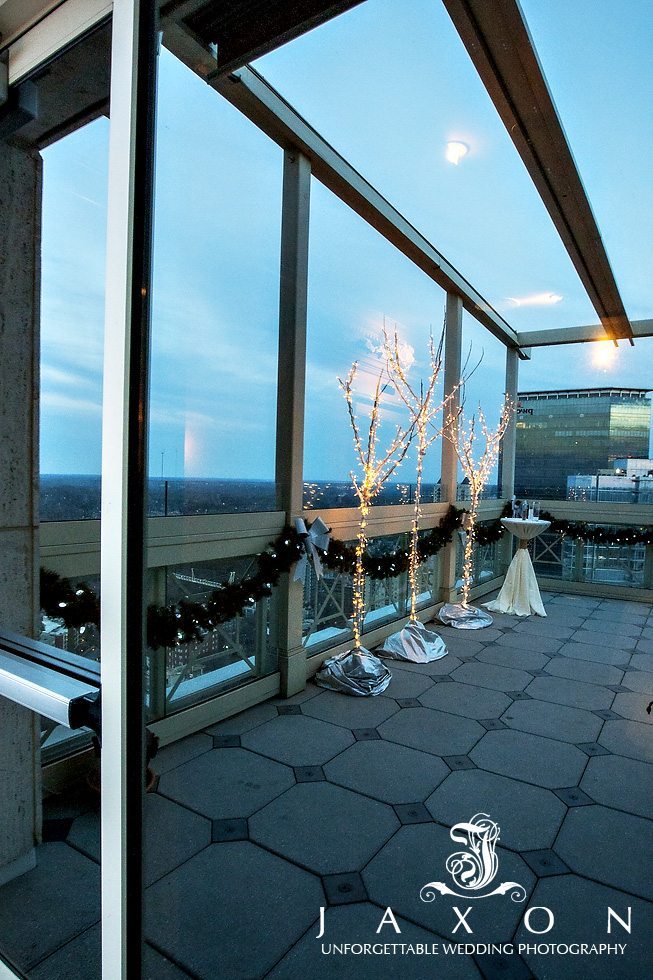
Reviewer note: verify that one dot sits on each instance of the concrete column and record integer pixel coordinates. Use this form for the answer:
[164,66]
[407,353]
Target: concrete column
[20,206]
[449,481]
[291,402]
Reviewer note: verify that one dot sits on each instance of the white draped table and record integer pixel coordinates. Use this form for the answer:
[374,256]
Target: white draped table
[520,594]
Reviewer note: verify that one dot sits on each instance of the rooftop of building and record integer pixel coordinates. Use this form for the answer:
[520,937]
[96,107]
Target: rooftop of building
[612,392]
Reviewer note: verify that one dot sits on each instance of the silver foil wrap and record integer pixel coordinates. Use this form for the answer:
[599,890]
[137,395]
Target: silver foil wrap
[464,617]
[415,643]
[356,672]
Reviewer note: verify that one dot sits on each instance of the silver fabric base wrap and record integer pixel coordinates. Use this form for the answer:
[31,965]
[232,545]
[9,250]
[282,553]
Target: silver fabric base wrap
[357,672]
[463,617]
[415,643]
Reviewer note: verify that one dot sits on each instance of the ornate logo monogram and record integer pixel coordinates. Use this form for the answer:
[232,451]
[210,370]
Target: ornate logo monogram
[474,868]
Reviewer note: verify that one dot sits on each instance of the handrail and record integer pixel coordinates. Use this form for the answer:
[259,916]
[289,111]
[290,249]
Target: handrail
[65,690]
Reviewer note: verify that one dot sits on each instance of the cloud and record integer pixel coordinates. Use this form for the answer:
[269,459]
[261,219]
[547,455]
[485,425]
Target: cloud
[57,402]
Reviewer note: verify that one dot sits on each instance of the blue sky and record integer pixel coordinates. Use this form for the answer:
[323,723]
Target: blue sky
[388,84]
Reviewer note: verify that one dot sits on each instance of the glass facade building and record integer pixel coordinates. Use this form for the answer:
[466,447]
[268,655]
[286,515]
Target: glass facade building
[561,433]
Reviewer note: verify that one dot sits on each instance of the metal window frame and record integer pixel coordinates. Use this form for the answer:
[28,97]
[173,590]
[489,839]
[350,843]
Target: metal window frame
[124,461]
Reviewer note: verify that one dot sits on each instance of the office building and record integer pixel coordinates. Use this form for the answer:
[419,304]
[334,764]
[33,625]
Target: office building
[562,433]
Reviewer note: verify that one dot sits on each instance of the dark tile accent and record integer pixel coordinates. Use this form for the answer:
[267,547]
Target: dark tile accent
[545,863]
[56,829]
[593,748]
[617,688]
[539,673]
[503,968]
[409,703]
[226,741]
[491,724]
[344,889]
[443,678]
[289,709]
[608,715]
[365,734]
[223,830]
[573,796]
[459,762]
[519,695]
[309,774]
[412,813]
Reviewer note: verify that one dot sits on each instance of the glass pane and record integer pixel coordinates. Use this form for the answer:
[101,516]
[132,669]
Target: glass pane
[215,304]
[358,282]
[53,186]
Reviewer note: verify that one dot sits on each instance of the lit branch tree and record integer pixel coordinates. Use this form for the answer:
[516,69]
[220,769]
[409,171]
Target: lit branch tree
[428,417]
[375,469]
[467,436]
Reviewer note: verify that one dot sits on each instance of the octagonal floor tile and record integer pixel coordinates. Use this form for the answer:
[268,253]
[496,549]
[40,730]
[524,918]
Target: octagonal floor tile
[638,680]
[610,846]
[505,657]
[323,827]
[432,731]
[532,758]
[633,706]
[298,740]
[245,721]
[529,816]
[180,752]
[580,909]
[630,738]
[463,699]
[172,835]
[437,667]
[415,856]
[624,784]
[231,911]
[388,772]
[584,670]
[642,661]
[350,712]
[543,627]
[577,694]
[599,654]
[608,627]
[81,959]
[406,683]
[226,783]
[553,720]
[492,676]
[46,907]
[546,645]
[358,924]
[594,640]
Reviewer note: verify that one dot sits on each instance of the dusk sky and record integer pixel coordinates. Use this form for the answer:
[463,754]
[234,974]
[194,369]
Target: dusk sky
[388,85]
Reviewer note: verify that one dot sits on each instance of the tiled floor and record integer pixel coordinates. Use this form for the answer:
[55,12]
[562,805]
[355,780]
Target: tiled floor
[326,800]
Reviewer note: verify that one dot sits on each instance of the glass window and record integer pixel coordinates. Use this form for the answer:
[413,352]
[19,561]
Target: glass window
[215,303]
[357,283]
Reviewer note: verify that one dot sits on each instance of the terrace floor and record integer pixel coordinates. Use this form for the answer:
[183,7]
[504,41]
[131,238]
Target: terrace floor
[326,800]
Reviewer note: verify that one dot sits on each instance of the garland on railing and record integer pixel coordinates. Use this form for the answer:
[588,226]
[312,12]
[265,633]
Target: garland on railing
[186,621]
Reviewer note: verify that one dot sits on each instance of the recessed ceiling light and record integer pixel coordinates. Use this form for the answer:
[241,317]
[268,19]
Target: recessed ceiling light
[536,299]
[456,151]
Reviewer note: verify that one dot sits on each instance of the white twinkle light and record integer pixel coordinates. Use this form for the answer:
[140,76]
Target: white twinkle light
[456,151]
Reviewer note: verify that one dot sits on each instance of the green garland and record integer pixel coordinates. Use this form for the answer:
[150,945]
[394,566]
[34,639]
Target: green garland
[188,622]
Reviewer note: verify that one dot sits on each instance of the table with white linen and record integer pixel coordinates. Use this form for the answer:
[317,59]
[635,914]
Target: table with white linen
[520,593]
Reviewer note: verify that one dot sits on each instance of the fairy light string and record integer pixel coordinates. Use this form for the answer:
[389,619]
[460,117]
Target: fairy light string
[467,435]
[375,470]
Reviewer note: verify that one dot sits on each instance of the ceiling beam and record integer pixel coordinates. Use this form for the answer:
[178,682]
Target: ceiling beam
[498,42]
[578,335]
